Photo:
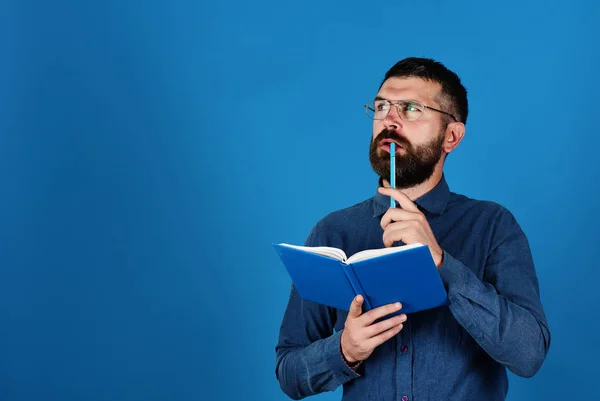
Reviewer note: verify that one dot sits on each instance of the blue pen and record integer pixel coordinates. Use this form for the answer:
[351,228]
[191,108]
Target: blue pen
[392,170]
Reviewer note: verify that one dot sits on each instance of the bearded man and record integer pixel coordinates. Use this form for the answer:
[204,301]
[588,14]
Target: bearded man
[494,319]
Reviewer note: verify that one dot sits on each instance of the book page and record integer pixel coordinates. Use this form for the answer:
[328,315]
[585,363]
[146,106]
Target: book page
[334,253]
[373,253]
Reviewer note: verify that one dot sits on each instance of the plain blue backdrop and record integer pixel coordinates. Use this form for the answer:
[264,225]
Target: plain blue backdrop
[151,152]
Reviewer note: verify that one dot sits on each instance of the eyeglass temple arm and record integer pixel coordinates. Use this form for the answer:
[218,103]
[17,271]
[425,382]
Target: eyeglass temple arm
[443,112]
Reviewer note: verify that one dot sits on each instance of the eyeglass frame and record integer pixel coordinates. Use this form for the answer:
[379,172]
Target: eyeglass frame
[397,104]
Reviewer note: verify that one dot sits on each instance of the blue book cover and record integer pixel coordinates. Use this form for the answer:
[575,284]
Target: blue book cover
[405,274]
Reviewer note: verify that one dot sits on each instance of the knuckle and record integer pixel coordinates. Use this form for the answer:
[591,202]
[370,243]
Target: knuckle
[376,328]
[389,334]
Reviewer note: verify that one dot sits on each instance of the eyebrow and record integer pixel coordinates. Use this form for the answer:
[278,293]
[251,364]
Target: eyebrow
[403,100]
[398,100]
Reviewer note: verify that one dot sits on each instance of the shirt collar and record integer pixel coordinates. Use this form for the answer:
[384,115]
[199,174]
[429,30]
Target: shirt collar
[434,201]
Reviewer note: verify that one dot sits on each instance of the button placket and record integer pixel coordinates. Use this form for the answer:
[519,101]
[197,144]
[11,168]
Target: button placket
[404,363]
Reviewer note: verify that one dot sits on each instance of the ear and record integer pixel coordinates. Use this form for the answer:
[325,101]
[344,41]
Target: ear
[454,134]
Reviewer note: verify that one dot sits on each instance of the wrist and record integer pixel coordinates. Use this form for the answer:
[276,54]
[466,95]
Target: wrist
[350,362]
[348,359]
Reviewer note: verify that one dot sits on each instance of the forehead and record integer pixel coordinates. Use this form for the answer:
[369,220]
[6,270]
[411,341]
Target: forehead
[410,88]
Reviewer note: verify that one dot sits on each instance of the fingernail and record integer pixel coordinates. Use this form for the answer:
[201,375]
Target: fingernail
[397,305]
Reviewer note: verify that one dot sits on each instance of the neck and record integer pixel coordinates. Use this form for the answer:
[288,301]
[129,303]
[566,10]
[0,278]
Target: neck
[417,191]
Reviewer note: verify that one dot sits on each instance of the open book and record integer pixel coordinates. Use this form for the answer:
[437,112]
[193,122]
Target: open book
[341,255]
[327,276]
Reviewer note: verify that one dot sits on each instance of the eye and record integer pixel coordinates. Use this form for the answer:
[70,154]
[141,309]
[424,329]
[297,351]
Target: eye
[412,110]
[381,105]
[412,106]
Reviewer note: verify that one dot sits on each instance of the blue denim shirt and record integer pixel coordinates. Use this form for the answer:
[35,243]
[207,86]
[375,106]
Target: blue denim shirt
[494,320]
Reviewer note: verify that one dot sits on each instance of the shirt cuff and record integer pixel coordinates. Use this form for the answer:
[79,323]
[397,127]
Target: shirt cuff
[453,274]
[351,365]
[340,369]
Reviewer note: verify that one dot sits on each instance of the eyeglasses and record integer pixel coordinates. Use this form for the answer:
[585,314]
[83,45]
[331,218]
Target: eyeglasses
[409,110]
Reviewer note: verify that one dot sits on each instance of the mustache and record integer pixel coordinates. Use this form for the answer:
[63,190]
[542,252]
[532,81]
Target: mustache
[393,135]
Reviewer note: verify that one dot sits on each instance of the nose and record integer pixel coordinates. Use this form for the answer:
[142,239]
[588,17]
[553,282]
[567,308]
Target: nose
[393,121]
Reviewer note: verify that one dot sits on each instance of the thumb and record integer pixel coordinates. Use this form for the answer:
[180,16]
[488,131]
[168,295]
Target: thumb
[356,306]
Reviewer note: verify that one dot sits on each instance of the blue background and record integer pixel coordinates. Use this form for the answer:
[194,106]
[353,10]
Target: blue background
[151,152]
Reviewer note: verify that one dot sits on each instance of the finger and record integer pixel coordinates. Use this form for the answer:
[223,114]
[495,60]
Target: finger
[403,231]
[368,318]
[376,341]
[393,215]
[356,306]
[378,328]
[400,197]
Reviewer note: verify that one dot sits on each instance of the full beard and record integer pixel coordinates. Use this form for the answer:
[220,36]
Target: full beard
[414,167]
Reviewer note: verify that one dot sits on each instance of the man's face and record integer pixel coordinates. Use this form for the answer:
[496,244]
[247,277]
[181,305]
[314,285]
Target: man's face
[418,143]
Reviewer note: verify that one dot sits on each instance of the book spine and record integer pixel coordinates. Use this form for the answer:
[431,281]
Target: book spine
[349,270]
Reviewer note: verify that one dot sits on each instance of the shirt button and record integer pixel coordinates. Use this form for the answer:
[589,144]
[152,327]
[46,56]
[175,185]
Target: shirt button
[404,398]
[404,348]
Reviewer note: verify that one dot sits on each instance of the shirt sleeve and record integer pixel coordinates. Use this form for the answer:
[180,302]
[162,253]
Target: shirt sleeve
[308,357]
[503,313]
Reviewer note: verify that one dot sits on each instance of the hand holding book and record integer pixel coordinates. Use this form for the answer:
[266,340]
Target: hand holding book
[363,332]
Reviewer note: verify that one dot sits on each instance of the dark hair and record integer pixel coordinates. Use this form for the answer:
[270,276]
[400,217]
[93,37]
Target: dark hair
[453,96]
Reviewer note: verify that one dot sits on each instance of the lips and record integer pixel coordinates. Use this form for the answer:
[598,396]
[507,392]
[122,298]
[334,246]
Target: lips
[385,145]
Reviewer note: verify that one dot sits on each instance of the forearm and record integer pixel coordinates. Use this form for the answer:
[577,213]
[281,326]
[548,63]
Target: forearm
[512,330]
[308,370]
